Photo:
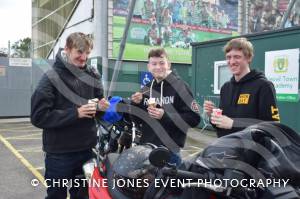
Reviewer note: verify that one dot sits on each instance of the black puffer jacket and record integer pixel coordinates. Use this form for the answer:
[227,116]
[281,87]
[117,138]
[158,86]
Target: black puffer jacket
[54,107]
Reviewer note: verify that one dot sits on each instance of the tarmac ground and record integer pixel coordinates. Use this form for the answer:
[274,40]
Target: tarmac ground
[22,158]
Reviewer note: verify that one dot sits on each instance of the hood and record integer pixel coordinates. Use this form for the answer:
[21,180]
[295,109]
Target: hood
[159,86]
[252,75]
[62,64]
[169,80]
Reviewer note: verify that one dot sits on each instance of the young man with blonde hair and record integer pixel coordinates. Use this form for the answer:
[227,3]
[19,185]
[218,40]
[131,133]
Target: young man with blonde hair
[60,106]
[247,98]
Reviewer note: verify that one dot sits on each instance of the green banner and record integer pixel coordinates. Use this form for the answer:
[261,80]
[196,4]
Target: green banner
[288,97]
[177,43]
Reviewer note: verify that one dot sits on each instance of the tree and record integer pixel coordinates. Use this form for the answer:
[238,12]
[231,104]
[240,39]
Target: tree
[3,52]
[22,48]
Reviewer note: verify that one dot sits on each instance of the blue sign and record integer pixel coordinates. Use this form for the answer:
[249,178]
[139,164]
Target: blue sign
[145,78]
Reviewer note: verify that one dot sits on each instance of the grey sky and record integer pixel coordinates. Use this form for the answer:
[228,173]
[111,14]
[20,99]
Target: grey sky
[15,20]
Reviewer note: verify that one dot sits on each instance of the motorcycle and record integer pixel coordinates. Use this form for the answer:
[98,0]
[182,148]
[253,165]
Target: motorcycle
[116,131]
[237,158]
[262,152]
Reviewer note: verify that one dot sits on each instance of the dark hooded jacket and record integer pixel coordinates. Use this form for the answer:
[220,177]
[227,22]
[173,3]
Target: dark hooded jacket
[248,101]
[54,104]
[181,112]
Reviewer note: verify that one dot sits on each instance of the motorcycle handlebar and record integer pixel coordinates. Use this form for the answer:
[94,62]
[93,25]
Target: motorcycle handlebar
[182,174]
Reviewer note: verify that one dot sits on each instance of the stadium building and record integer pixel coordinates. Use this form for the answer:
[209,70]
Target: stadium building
[172,24]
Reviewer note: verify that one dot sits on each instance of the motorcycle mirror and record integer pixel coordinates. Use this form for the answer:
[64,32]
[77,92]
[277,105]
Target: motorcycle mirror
[159,157]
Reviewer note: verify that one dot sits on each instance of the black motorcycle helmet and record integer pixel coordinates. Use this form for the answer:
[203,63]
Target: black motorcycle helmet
[133,171]
[279,143]
[266,150]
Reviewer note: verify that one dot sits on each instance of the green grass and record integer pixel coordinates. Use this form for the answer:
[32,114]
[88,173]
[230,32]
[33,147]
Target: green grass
[117,20]
[140,52]
[118,31]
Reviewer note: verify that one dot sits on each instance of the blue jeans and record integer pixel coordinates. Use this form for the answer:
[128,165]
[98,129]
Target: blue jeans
[63,167]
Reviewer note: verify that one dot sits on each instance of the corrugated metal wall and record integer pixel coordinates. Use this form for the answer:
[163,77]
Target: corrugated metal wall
[15,89]
[18,83]
[16,86]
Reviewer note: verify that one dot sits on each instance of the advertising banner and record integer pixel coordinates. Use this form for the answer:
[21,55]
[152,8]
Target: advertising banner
[173,25]
[282,68]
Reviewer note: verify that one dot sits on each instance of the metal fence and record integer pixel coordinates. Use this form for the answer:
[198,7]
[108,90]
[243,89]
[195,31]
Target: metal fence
[16,85]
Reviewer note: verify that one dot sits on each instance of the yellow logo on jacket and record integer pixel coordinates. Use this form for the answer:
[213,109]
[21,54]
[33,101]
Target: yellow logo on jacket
[275,113]
[244,99]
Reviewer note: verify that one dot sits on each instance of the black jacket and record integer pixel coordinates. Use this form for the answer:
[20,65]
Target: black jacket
[54,105]
[177,101]
[248,101]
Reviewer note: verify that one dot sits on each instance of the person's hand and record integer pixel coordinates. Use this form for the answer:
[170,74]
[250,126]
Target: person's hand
[137,97]
[208,107]
[87,110]
[103,105]
[221,121]
[156,113]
